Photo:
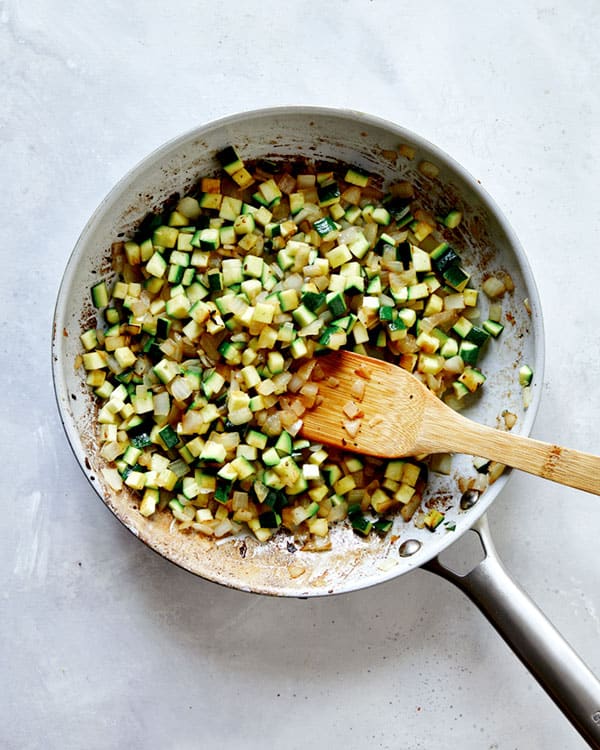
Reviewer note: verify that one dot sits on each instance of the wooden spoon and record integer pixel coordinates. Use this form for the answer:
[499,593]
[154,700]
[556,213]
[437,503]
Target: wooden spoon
[403,418]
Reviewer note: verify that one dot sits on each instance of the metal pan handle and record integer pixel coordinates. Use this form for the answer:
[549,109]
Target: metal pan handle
[532,637]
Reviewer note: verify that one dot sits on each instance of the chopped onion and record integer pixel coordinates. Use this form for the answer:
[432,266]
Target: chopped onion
[454,302]
[272,425]
[222,528]
[295,570]
[454,365]
[348,234]
[112,477]
[310,212]
[191,422]
[287,417]
[352,411]
[363,372]
[240,416]
[312,329]
[358,389]
[309,392]
[180,389]
[493,287]
[352,427]
[162,404]
[508,282]
[296,382]
[295,428]
[495,471]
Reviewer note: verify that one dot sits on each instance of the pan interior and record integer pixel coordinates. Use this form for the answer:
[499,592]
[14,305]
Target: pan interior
[485,242]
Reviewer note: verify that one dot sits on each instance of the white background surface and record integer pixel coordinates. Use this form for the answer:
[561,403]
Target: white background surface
[105,645]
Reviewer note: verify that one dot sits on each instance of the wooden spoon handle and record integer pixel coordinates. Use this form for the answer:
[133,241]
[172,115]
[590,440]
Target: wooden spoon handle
[563,465]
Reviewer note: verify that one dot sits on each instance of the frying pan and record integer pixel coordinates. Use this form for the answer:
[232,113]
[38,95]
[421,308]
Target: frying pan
[487,246]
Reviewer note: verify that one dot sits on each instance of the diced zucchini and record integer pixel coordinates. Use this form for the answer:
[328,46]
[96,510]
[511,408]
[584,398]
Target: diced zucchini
[314,301]
[231,271]
[284,444]
[168,436]
[328,193]
[230,208]
[383,526]
[444,257]
[242,178]
[212,382]
[165,236]
[298,348]
[462,327]
[271,457]
[229,160]
[352,214]
[166,370]
[178,306]
[421,261]
[449,348]
[359,246]
[89,339]
[493,328]
[270,192]
[456,277]
[157,265]
[472,378]
[256,439]
[433,519]
[303,316]
[336,304]
[453,219]
[100,294]
[244,224]
[469,352]
[213,451]
[210,201]
[361,524]
[356,176]
[525,375]
[325,227]
[253,266]
[381,216]
[470,297]
[296,203]
[209,238]
[477,335]
[288,300]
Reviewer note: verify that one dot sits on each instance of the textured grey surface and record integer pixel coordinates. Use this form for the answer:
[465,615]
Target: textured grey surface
[103,644]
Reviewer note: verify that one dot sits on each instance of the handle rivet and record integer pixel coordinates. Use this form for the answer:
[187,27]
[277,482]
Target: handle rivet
[469,498]
[409,547]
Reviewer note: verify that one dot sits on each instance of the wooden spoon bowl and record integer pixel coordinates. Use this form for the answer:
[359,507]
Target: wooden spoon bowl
[398,416]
